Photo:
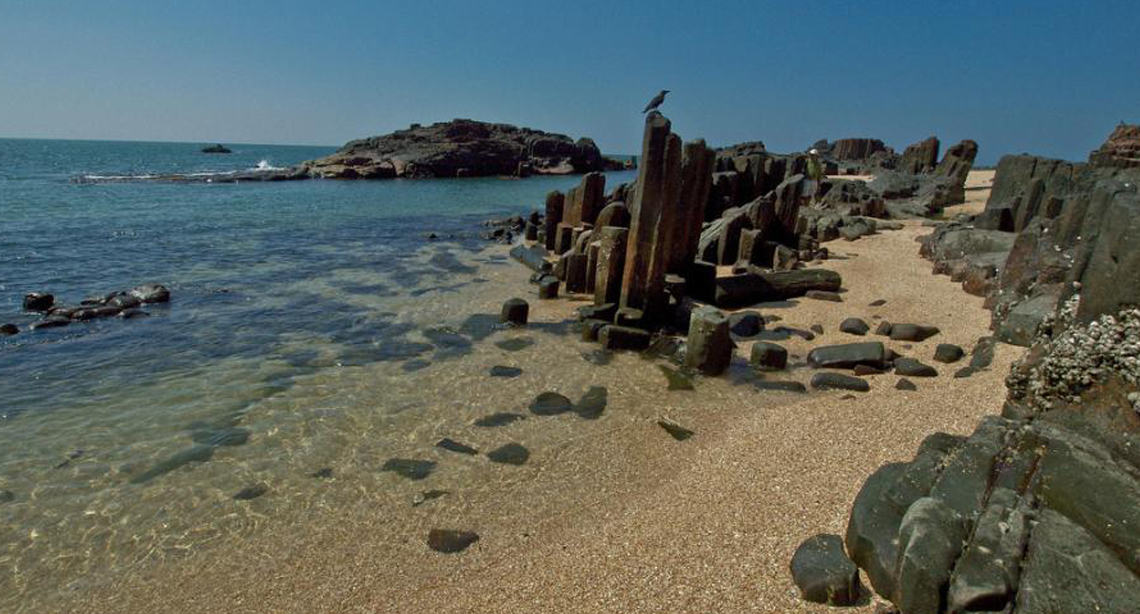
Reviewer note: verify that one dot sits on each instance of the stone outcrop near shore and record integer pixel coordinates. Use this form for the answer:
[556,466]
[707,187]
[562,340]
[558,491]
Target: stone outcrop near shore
[1050,229]
[461,148]
[1036,511]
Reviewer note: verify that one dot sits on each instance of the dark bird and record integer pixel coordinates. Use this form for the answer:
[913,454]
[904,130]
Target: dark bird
[656,102]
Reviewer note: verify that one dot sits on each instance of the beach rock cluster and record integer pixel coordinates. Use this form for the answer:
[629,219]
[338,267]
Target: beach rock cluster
[1037,511]
[1050,229]
[123,304]
[649,260]
[461,148]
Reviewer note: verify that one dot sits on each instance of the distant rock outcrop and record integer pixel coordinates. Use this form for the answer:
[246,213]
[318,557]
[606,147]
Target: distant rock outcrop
[460,148]
[216,149]
[1122,149]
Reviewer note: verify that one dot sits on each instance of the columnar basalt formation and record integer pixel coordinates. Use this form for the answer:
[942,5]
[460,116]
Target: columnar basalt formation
[920,157]
[655,208]
[554,204]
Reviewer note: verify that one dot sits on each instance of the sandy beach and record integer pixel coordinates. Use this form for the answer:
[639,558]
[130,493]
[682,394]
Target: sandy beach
[620,517]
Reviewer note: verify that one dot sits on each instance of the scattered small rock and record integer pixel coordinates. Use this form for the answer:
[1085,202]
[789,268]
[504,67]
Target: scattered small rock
[454,446]
[550,404]
[839,381]
[912,332]
[324,473]
[510,454]
[824,295]
[884,329]
[914,368]
[499,419]
[877,303]
[409,468]
[449,541]
[905,384]
[854,326]
[745,323]
[504,371]
[676,431]
[769,356]
[948,352]
[428,495]
[251,492]
[816,328]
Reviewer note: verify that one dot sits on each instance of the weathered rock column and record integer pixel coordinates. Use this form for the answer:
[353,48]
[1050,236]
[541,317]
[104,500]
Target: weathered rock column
[610,264]
[709,347]
[554,203]
[655,209]
[696,182]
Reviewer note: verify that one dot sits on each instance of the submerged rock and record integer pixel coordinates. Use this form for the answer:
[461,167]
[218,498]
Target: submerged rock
[38,301]
[592,403]
[550,404]
[507,372]
[411,469]
[510,454]
[678,379]
[428,495]
[454,446]
[515,345]
[450,541]
[498,419]
[251,492]
[197,454]
[839,381]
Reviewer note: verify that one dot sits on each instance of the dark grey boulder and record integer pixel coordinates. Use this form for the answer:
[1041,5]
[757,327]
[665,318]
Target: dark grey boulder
[615,337]
[884,329]
[591,328]
[38,301]
[745,323]
[912,332]
[592,403]
[824,573]
[913,368]
[9,329]
[846,356]
[872,529]
[450,541]
[548,287]
[769,356]
[124,301]
[930,540]
[854,326]
[948,353]
[838,381]
[515,311]
[454,446]
[709,348]
[509,454]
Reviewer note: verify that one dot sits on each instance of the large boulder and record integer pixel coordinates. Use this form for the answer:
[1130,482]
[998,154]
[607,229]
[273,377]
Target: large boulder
[921,157]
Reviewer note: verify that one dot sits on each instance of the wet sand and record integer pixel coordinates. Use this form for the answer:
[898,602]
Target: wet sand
[613,515]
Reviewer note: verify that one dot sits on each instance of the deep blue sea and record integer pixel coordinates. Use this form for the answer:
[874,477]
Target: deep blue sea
[302,314]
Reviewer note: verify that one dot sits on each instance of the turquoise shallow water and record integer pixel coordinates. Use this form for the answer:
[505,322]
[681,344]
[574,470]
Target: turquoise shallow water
[306,322]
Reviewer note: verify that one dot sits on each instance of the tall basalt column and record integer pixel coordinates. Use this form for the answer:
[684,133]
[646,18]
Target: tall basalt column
[697,162]
[655,210]
[593,197]
[610,263]
[554,204]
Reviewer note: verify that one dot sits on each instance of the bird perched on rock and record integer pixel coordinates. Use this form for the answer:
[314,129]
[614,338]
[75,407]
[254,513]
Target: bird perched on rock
[656,102]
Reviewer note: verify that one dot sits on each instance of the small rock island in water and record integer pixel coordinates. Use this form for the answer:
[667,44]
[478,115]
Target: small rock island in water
[216,149]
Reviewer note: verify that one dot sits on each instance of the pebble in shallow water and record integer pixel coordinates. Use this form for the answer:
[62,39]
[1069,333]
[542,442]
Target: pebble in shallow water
[510,454]
[409,468]
[499,419]
[251,492]
[450,541]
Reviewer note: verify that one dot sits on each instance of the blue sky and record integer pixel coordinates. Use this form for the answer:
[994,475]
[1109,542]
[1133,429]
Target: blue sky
[1047,77]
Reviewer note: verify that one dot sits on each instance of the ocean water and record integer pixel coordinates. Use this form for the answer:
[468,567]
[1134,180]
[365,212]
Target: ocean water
[313,335]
